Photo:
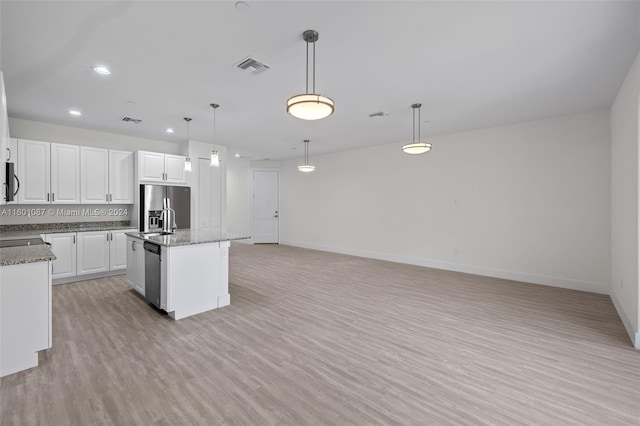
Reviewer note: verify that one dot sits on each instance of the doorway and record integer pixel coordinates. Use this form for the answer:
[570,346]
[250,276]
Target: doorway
[266,214]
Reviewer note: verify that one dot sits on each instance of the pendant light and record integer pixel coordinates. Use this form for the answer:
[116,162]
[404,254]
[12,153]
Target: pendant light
[215,157]
[306,167]
[310,106]
[187,162]
[416,147]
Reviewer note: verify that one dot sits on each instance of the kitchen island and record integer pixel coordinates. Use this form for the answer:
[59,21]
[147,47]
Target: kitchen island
[184,273]
[25,303]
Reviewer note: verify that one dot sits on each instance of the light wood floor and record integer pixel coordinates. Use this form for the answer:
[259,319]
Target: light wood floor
[317,338]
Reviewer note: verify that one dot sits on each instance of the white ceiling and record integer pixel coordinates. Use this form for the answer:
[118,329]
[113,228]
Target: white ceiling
[470,64]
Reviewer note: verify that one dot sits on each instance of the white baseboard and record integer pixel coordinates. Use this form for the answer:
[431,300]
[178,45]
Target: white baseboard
[592,287]
[245,241]
[634,335]
[86,277]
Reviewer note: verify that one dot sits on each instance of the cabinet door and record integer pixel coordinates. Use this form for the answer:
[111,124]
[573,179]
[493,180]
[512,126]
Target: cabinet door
[174,171]
[93,252]
[150,166]
[94,168]
[65,174]
[121,177]
[135,264]
[34,161]
[63,245]
[131,270]
[118,249]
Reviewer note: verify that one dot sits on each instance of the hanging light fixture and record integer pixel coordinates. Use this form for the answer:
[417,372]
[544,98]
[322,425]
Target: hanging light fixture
[306,167]
[310,106]
[187,162]
[215,157]
[416,147]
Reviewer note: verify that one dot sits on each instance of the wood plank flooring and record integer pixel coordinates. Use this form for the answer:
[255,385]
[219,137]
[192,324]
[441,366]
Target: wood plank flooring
[315,338]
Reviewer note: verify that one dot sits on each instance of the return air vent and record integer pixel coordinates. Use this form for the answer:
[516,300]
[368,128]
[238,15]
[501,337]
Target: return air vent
[132,120]
[252,65]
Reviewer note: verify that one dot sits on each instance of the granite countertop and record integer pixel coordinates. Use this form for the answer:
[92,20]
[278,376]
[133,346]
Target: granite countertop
[183,237]
[25,254]
[35,230]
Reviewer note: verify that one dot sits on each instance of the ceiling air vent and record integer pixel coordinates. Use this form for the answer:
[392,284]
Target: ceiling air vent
[378,114]
[132,120]
[252,65]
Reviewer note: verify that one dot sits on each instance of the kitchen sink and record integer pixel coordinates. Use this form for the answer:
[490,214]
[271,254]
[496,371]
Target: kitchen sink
[21,242]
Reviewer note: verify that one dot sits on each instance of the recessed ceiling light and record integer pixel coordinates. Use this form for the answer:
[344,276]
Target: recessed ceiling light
[170,130]
[75,112]
[237,155]
[241,5]
[101,69]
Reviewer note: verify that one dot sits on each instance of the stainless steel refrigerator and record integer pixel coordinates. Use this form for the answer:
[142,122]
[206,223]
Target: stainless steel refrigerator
[151,198]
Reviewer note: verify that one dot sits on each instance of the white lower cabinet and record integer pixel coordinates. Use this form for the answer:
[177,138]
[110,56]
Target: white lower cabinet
[63,246]
[135,264]
[91,252]
[118,249]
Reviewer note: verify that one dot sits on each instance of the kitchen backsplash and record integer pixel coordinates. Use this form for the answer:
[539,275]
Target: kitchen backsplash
[15,214]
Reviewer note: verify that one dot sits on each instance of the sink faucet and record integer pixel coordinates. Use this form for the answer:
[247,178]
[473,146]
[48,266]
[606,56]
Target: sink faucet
[168,216]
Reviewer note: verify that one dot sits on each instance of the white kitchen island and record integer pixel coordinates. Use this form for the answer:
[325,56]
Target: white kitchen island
[194,270]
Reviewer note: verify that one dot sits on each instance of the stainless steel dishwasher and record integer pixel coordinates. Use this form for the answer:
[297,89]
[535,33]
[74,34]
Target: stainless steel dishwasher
[152,275]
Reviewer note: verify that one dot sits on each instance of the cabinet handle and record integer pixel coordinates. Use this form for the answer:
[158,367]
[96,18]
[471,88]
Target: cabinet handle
[74,239]
[106,197]
[53,197]
[47,197]
[133,246]
[9,156]
[107,236]
[110,197]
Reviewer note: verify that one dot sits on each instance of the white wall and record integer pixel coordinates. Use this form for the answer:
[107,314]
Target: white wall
[528,202]
[625,131]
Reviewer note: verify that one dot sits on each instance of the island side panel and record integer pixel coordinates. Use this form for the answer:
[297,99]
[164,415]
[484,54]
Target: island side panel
[26,315]
[196,277]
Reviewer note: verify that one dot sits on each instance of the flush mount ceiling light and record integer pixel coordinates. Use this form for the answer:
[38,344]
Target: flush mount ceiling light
[306,167]
[75,112]
[215,157]
[310,106]
[187,162]
[416,147]
[170,130]
[101,69]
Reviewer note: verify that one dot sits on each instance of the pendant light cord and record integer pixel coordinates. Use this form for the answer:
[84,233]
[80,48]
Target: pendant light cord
[314,67]
[306,82]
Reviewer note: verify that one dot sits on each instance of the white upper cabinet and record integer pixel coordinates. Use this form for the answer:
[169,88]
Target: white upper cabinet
[65,174]
[94,166]
[107,176]
[48,173]
[34,162]
[150,166]
[174,171]
[155,167]
[121,190]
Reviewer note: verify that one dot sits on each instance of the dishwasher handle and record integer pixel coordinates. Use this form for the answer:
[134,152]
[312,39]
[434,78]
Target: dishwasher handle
[152,248]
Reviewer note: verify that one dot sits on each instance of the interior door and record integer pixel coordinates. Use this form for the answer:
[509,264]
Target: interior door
[266,221]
